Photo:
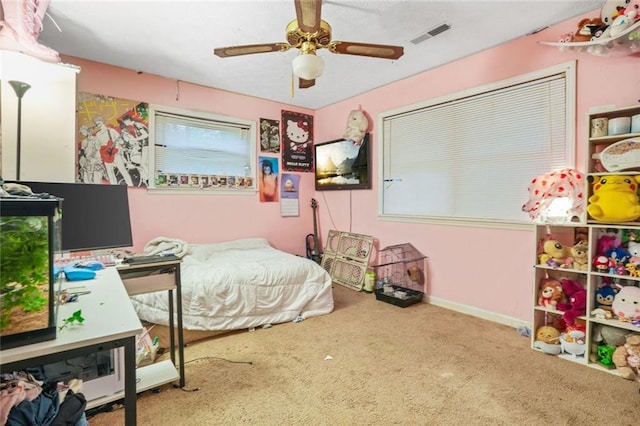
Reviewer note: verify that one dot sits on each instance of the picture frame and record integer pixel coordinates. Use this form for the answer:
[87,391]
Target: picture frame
[342,164]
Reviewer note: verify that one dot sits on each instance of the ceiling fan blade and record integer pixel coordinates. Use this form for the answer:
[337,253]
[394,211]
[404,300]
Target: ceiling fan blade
[305,84]
[366,49]
[308,15]
[249,49]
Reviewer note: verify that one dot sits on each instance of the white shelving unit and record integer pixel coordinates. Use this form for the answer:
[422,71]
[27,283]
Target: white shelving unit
[591,278]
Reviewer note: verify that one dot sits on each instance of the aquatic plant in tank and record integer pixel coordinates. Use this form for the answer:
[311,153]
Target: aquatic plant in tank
[26,289]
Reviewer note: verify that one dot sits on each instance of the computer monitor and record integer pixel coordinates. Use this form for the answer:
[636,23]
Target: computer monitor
[94,216]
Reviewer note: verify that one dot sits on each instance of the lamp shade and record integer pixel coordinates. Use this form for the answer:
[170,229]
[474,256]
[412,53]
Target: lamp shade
[308,66]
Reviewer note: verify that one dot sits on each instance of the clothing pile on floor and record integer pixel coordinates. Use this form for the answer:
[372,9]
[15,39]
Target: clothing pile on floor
[24,400]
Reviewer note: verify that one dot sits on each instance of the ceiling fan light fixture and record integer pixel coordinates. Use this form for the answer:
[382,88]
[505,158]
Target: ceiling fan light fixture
[308,66]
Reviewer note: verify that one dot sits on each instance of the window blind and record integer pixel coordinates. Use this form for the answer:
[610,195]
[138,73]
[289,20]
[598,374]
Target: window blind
[472,157]
[194,145]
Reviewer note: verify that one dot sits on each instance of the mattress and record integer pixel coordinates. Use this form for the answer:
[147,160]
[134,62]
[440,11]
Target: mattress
[242,284]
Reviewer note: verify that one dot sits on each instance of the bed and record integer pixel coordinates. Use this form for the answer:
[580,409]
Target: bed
[241,284]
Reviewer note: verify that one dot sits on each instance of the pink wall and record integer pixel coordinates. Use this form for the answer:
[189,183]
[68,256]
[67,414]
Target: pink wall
[487,269]
[201,218]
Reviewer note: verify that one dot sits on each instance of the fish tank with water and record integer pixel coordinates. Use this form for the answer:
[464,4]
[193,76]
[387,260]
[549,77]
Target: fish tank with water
[29,237]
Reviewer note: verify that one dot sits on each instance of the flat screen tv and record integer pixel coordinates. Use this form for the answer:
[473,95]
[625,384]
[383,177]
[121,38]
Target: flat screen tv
[342,164]
[94,216]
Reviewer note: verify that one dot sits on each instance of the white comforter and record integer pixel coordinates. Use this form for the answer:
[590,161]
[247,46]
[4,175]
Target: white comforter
[242,284]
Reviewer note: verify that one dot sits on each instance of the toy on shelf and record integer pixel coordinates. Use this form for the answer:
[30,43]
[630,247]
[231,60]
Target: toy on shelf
[550,293]
[548,340]
[555,254]
[614,198]
[627,358]
[580,256]
[626,303]
[604,298]
[573,343]
[607,240]
[616,32]
[576,304]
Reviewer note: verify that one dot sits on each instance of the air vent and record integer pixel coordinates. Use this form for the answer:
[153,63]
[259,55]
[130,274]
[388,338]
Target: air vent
[431,33]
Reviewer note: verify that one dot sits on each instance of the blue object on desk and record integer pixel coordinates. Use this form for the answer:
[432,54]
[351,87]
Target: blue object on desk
[93,265]
[78,274]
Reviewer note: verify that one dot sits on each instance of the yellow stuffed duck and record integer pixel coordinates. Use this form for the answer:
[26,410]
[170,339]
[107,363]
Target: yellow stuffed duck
[614,198]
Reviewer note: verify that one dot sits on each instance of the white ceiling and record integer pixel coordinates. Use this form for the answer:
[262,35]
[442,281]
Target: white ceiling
[175,39]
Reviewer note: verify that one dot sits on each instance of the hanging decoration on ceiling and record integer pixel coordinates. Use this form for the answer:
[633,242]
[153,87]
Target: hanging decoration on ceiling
[297,142]
[20,28]
[112,140]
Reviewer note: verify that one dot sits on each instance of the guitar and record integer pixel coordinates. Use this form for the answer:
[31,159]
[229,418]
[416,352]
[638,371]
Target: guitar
[314,254]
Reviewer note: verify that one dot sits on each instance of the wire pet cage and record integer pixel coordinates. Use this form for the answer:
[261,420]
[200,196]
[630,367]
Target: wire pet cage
[401,275]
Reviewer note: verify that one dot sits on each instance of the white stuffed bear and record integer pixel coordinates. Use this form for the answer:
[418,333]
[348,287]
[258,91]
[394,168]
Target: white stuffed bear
[357,125]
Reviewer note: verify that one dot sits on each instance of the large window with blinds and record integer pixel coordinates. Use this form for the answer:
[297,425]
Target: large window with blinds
[195,150]
[468,158]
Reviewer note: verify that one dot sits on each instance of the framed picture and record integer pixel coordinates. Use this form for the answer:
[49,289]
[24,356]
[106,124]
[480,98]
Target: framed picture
[342,164]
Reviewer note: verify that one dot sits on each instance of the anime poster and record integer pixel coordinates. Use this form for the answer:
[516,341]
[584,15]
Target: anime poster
[113,140]
[269,135]
[268,179]
[297,142]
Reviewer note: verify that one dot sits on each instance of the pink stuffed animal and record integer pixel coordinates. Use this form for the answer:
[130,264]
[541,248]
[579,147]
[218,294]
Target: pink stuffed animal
[626,304]
[577,304]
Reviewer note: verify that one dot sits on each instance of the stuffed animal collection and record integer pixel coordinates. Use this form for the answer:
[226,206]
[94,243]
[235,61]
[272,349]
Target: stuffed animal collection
[627,358]
[615,17]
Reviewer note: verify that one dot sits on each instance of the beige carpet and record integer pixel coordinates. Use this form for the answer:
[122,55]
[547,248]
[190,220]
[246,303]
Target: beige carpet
[390,366]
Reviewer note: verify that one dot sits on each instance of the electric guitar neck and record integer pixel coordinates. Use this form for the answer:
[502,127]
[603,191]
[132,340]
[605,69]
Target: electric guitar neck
[316,253]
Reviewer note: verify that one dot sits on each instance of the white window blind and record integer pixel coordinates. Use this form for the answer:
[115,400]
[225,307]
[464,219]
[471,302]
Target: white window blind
[471,156]
[187,143]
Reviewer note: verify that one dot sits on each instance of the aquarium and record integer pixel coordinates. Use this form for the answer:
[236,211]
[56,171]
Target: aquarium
[28,240]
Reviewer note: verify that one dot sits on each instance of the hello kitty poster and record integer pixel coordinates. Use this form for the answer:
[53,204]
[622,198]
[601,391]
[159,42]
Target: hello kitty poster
[297,142]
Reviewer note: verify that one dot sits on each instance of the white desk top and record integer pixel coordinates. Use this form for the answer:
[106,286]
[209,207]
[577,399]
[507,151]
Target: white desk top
[107,312]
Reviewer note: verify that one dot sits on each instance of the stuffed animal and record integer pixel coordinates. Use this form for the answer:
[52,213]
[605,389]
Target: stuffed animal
[626,303]
[357,125]
[586,29]
[554,254]
[580,256]
[627,357]
[548,340]
[614,198]
[634,251]
[604,297]
[577,303]
[550,292]
[608,239]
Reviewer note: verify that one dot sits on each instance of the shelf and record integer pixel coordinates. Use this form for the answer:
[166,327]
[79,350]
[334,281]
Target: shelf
[624,44]
[612,138]
[147,377]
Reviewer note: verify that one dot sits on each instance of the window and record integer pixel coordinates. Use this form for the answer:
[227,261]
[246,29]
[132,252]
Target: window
[194,150]
[469,157]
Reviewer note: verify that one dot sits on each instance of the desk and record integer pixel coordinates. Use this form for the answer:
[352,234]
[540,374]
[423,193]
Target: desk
[159,276]
[110,322]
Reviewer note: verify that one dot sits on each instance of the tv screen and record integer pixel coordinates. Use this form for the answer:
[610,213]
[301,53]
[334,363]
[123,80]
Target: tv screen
[94,216]
[342,164]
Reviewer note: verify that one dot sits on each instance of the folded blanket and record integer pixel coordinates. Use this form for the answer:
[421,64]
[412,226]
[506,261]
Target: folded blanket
[163,244]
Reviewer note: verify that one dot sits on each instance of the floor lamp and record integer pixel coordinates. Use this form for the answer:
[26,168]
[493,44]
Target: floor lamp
[20,88]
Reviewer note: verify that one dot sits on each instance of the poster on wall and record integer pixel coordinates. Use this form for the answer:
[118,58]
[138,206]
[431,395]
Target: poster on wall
[269,135]
[268,179]
[297,142]
[112,140]
[289,194]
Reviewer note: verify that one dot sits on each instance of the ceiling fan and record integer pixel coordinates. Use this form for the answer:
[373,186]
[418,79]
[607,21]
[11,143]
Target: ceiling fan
[309,33]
